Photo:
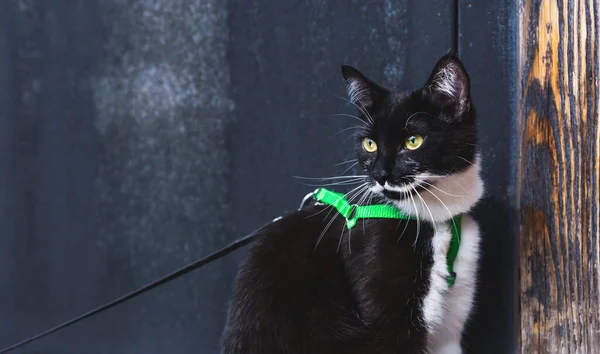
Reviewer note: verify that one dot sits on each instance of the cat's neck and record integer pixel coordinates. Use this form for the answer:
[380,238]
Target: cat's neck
[446,197]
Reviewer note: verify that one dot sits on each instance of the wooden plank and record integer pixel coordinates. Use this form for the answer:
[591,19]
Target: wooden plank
[486,45]
[559,170]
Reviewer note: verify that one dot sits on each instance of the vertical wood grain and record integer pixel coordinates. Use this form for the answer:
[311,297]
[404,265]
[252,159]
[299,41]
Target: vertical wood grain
[558,174]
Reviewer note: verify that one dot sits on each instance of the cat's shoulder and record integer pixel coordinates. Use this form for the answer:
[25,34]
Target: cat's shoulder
[299,225]
[294,236]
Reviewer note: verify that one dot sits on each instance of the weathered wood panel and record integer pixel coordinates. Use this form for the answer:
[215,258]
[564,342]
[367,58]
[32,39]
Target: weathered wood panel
[558,143]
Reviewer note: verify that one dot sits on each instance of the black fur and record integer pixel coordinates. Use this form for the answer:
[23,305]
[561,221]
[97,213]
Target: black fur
[358,291]
[293,298]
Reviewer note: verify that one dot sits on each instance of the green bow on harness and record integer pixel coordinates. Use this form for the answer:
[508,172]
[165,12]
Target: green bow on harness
[352,213]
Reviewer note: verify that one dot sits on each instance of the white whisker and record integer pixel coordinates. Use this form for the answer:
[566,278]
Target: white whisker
[345,162]
[348,115]
[404,230]
[454,180]
[325,229]
[354,190]
[368,203]
[342,183]
[360,108]
[465,160]
[349,244]
[351,166]
[443,204]
[342,233]
[446,193]
[331,207]
[346,129]
[357,191]
[429,210]
[328,178]
[361,199]
[418,220]
[352,136]
[336,214]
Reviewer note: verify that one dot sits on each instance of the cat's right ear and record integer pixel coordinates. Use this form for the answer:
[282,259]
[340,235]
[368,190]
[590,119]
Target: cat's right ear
[361,91]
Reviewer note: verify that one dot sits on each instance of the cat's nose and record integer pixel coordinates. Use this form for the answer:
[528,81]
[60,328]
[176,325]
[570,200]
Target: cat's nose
[381,176]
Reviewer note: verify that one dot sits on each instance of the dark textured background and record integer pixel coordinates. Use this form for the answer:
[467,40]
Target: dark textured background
[136,136]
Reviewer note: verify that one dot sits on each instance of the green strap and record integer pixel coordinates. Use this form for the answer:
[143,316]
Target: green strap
[453,249]
[353,212]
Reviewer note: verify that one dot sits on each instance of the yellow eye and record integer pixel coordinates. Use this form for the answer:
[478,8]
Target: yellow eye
[413,142]
[369,145]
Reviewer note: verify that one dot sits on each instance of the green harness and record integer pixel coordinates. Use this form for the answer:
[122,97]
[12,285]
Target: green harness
[352,213]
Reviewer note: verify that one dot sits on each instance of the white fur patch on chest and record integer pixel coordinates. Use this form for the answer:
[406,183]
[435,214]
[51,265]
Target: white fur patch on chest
[433,303]
[446,309]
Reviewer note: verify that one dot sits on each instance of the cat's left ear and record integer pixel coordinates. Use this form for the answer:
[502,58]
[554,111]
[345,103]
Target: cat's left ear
[363,92]
[448,87]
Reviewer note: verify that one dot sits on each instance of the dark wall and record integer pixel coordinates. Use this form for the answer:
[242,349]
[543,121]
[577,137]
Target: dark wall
[487,46]
[136,136]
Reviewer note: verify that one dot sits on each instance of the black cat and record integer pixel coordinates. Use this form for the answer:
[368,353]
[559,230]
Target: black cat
[387,289]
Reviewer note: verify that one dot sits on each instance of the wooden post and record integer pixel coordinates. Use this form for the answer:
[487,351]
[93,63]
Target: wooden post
[558,175]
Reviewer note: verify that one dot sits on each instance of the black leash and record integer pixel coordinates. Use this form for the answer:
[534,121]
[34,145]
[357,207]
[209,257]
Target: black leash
[167,278]
[176,274]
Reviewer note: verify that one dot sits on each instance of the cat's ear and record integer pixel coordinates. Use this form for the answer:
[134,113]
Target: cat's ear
[361,91]
[448,87]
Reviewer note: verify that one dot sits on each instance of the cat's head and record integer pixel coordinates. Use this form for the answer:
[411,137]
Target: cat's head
[419,149]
